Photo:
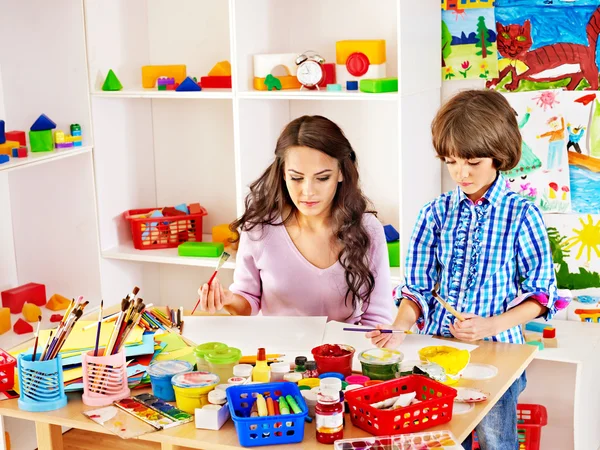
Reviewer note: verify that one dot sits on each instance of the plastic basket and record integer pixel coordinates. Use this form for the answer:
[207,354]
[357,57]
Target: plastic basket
[163,232]
[434,408]
[7,371]
[41,384]
[268,430]
[530,420]
[104,378]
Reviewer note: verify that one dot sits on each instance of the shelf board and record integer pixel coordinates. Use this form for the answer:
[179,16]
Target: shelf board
[396,279]
[155,93]
[35,158]
[305,94]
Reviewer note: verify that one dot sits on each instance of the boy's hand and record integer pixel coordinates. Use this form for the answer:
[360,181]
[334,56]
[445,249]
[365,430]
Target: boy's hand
[473,328]
[387,340]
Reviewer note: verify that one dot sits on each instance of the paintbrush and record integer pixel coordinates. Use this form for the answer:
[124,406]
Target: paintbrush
[117,329]
[37,334]
[98,330]
[47,346]
[224,257]
[366,330]
[447,306]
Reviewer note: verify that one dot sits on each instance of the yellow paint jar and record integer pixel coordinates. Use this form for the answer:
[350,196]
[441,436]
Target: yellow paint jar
[192,388]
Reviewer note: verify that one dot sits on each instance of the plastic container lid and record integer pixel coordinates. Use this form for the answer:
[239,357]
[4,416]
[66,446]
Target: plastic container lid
[294,377]
[330,388]
[380,356]
[310,365]
[163,369]
[227,355]
[280,367]
[217,397]
[300,360]
[242,370]
[203,349]
[357,379]
[195,379]
[332,374]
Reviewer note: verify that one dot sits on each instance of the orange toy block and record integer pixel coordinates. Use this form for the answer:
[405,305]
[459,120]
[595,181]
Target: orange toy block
[22,327]
[222,233]
[31,312]
[372,49]
[287,82]
[221,69]
[151,73]
[6,148]
[5,324]
[57,303]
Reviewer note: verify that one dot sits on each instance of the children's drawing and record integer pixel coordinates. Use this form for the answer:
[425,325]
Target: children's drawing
[546,44]
[556,142]
[468,43]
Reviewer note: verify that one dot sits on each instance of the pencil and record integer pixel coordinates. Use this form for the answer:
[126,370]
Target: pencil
[366,330]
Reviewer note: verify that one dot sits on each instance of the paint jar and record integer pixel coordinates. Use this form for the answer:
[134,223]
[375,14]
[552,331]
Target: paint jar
[161,373]
[334,358]
[278,370]
[310,397]
[311,370]
[380,363]
[222,360]
[192,388]
[236,381]
[217,397]
[243,371]
[292,377]
[310,382]
[300,363]
[201,350]
[357,379]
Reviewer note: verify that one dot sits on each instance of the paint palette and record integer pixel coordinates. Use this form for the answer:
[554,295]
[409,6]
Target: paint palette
[166,408]
[438,440]
[154,411]
[470,395]
[118,422]
[366,443]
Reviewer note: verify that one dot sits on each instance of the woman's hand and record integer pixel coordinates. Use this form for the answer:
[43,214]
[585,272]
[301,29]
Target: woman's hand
[214,298]
[387,340]
[473,328]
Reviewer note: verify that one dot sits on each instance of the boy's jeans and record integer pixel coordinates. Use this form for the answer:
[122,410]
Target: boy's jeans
[498,429]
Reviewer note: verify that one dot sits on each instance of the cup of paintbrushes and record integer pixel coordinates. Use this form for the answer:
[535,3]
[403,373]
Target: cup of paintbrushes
[104,378]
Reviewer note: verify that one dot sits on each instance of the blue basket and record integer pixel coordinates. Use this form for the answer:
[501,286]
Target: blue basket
[41,384]
[269,430]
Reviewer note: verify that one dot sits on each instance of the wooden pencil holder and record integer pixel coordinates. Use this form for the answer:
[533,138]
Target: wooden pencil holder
[104,378]
[41,384]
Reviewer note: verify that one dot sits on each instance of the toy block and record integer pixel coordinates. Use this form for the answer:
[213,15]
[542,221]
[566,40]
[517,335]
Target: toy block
[380,85]
[183,208]
[15,153]
[5,324]
[287,82]
[165,81]
[41,141]
[538,327]
[195,208]
[550,342]
[4,158]
[43,123]
[7,147]
[352,85]
[374,71]
[22,152]
[222,233]
[56,317]
[264,64]
[172,87]
[329,78]
[151,73]
[220,69]
[201,249]
[22,327]
[374,50]
[391,234]
[272,82]
[213,82]
[162,87]
[188,85]
[15,298]
[75,129]
[57,303]
[18,136]
[60,141]
[31,312]
[334,87]
[394,253]
[111,82]
[2,132]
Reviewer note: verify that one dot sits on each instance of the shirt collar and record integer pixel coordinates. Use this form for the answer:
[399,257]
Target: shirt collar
[493,195]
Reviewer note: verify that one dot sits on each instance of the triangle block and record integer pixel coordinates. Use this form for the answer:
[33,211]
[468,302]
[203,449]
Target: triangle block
[43,123]
[111,83]
[188,85]
[22,327]
[221,69]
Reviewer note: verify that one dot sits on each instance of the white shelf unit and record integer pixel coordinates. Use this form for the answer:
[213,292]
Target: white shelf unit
[153,151]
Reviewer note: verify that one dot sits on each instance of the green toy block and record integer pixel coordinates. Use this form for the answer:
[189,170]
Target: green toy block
[539,345]
[201,249]
[41,141]
[272,83]
[111,83]
[379,85]
[394,253]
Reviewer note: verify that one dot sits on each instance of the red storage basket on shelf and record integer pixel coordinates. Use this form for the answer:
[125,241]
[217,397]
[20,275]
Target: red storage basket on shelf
[7,371]
[434,407]
[163,232]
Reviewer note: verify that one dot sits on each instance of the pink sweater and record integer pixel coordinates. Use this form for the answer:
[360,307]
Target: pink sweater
[274,277]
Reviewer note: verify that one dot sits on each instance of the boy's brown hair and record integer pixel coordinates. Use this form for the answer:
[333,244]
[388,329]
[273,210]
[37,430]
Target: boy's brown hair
[478,124]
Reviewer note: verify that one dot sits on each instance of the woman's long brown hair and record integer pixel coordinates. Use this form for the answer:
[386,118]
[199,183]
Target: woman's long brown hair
[269,199]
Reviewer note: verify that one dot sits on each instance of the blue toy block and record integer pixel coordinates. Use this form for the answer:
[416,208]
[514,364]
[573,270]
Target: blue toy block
[2,134]
[183,208]
[188,85]
[352,85]
[15,152]
[43,123]
[391,234]
[536,326]
[4,158]
[152,224]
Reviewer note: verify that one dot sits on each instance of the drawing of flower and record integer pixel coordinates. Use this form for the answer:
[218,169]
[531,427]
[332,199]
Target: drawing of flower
[483,67]
[466,66]
[565,190]
[448,73]
[553,189]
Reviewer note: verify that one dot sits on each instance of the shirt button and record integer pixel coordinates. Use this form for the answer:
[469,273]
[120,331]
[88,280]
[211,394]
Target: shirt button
[479,202]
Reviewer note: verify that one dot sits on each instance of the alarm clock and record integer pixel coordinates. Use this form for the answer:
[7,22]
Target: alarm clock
[310,69]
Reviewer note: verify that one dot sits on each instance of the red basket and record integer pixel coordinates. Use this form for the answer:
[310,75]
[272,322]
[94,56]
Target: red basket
[163,232]
[7,371]
[530,420]
[435,406]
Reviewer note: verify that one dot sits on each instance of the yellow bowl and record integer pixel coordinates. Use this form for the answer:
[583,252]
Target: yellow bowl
[451,359]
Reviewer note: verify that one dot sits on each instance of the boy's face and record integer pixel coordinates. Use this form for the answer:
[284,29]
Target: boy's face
[474,176]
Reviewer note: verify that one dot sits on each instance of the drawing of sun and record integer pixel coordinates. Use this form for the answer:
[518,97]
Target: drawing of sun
[588,238]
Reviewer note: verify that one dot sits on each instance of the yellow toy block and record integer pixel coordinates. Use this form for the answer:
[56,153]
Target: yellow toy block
[70,138]
[5,324]
[287,82]
[222,233]
[6,148]
[57,303]
[59,137]
[373,49]
[221,69]
[151,73]
[31,312]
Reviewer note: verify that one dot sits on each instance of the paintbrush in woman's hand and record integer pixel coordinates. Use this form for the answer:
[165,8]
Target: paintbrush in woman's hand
[224,257]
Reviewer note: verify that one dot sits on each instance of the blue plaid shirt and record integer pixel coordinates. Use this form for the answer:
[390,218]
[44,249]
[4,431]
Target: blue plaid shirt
[487,257]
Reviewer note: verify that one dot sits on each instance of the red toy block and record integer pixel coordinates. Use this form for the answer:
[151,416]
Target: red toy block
[172,87]
[223,82]
[28,293]
[22,327]
[22,152]
[329,78]
[195,208]
[18,136]
[56,317]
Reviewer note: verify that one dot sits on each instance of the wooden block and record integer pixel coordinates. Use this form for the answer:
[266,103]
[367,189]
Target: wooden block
[373,49]
[18,136]
[57,303]
[201,249]
[5,323]
[287,82]
[41,141]
[550,342]
[22,327]
[222,233]
[151,73]
[7,147]
[379,85]
[220,69]
[28,293]
[31,312]
[394,253]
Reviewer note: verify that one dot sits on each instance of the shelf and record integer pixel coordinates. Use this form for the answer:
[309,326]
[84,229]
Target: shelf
[292,94]
[396,278]
[43,157]
[155,93]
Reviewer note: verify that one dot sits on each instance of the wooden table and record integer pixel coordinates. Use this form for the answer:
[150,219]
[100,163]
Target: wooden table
[511,360]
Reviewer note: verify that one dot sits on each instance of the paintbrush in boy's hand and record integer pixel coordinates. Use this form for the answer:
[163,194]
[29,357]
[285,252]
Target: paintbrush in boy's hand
[224,257]
[447,306]
[384,330]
